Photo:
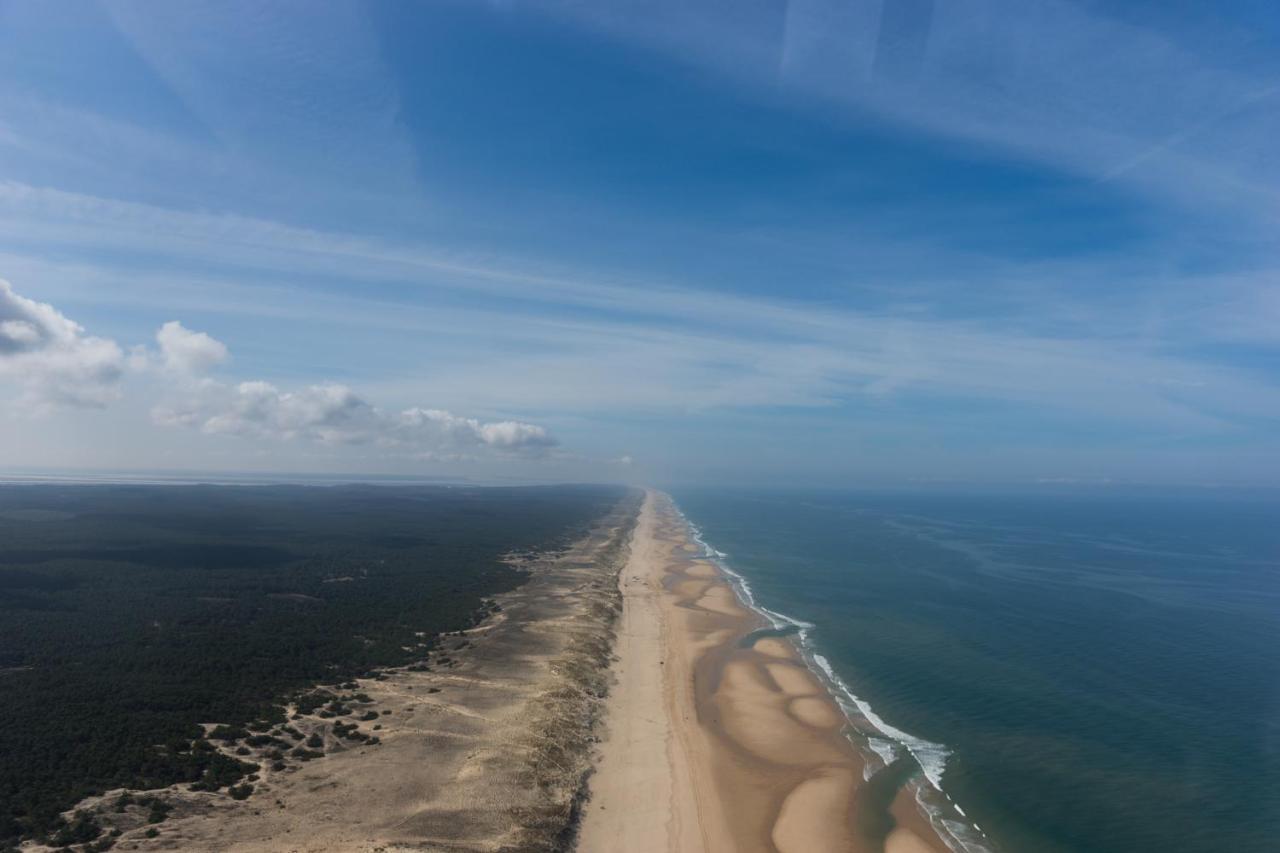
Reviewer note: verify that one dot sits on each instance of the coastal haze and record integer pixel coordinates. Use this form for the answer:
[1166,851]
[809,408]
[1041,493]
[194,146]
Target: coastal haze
[642,425]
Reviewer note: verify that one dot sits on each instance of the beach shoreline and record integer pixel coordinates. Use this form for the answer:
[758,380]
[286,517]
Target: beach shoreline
[720,736]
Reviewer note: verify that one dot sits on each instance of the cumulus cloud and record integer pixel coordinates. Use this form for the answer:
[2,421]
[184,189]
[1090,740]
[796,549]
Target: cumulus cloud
[186,351]
[56,362]
[52,357]
[330,414]
[419,425]
[336,415]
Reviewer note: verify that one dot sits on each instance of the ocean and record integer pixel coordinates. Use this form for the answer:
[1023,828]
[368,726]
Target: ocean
[1080,671]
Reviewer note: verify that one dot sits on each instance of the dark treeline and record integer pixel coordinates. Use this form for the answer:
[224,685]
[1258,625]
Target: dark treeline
[130,614]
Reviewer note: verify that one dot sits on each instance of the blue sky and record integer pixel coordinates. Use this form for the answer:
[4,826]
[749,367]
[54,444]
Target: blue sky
[676,240]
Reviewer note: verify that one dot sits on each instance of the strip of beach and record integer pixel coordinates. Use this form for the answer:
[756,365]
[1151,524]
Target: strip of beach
[719,737]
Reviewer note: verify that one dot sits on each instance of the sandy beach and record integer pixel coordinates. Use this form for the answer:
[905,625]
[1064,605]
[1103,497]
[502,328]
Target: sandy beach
[718,736]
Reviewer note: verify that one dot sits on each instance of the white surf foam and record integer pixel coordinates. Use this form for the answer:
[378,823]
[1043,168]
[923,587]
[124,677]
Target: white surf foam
[887,750]
[931,756]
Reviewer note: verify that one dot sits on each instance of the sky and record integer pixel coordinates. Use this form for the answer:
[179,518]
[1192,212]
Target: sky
[829,242]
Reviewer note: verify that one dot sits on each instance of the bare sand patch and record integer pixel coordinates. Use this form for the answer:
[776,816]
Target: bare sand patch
[775,647]
[905,841]
[719,598]
[812,817]
[794,680]
[816,712]
[753,715]
[690,588]
[702,569]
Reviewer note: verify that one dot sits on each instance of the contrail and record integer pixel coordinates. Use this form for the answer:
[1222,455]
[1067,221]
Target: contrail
[1187,132]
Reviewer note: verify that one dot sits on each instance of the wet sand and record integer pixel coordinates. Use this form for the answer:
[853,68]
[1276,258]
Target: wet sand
[713,744]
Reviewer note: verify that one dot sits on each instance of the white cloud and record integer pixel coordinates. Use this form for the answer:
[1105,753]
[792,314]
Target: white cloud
[335,415]
[55,362]
[28,326]
[52,358]
[187,351]
[513,434]
[413,425]
[329,414]
[18,335]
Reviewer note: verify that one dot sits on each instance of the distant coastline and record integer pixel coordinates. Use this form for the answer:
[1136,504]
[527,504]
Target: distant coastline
[753,748]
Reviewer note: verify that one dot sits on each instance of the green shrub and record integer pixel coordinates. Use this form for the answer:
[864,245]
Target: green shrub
[82,829]
[228,733]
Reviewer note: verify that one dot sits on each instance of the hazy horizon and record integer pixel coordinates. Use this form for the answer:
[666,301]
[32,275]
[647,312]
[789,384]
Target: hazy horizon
[1047,487]
[816,242]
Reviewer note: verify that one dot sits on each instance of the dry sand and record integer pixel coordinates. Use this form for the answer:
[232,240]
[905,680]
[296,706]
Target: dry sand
[488,751]
[714,744]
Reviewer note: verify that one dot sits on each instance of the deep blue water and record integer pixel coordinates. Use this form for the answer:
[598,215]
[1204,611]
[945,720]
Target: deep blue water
[1102,667]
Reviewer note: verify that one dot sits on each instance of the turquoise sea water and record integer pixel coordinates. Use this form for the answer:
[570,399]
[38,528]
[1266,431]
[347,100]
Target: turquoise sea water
[1079,671]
